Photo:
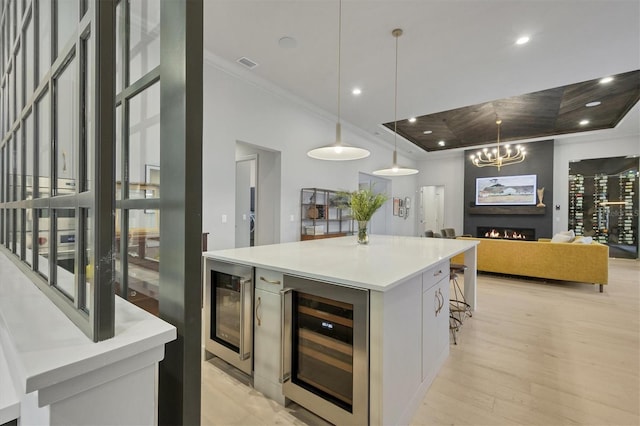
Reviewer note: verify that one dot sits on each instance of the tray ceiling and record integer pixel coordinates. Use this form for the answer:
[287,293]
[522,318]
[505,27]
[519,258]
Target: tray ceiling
[541,114]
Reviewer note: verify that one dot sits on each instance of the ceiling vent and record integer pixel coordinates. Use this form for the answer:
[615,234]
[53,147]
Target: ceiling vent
[247,62]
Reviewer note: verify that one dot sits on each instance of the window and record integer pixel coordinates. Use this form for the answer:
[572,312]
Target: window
[138,154]
[66,128]
[144,38]
[43,143]
[44,37]
[48,192]
[66,22]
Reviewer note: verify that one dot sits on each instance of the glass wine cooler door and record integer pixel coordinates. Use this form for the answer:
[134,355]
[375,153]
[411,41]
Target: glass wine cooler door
[323,340]
[229,313]
[227,306]
[325,349]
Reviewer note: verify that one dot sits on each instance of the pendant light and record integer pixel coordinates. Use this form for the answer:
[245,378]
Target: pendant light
[338,151]
[395,169]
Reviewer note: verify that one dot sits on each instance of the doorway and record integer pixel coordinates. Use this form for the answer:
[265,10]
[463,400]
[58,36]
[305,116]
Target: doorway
[431,208]
[246,193]
[258,189]
[380,222]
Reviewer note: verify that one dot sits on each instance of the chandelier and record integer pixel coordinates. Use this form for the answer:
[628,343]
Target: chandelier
[498,157]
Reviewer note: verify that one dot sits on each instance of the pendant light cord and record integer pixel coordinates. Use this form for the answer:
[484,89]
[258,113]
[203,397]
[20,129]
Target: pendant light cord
[339,55]
[395,100]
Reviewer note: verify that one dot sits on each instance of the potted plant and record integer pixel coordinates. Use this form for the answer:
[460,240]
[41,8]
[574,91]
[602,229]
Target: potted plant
[363,204]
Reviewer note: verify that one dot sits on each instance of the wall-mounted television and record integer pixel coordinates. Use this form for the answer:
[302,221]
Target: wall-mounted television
[506,190]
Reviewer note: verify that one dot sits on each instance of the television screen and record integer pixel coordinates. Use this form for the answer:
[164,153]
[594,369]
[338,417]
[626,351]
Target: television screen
[506,190]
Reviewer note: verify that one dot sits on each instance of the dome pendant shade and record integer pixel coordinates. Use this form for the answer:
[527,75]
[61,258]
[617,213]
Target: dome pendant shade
[395,169]
[338,151]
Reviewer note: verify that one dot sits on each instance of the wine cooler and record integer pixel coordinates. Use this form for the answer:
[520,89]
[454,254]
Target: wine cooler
[325,362]
[229,313]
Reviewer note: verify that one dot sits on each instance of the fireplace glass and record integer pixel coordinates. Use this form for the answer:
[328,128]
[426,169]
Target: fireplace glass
[506,233]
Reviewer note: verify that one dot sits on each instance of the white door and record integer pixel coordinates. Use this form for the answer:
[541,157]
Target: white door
[245,199]
[432,208]
[265,204]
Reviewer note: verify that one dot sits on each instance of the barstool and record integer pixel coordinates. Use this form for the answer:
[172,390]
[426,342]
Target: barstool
[454,326]
[458,306]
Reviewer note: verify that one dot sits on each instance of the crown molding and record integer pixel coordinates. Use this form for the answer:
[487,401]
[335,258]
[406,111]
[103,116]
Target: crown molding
[235,70]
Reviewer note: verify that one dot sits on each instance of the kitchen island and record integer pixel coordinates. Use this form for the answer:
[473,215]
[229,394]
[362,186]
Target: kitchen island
[405,280]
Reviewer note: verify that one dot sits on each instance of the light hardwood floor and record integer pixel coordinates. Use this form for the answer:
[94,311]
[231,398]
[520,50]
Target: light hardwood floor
[534,353]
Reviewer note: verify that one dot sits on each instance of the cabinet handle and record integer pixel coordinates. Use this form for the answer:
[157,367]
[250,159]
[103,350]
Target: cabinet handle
[440,299]
[438,273]
[274,282]
[286,333]
[258,319]
[246,336]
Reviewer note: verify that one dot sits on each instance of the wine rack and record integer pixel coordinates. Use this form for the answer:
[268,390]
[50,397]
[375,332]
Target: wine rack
[604,205]
[626,214]
[576,197]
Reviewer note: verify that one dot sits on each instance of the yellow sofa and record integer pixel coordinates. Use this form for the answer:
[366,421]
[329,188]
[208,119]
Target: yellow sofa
[587,263]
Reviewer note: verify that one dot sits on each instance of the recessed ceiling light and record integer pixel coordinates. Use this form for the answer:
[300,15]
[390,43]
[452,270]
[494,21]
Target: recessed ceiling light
[287,42]
[606,80]
[356,91]
[584,122]
[427,132]
[592,104]
[441,143]
[412,120]
[522,40]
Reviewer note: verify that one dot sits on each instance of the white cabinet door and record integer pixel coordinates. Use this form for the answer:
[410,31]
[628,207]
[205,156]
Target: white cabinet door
[266,361]
[443,318]
[430,306]
[435,326]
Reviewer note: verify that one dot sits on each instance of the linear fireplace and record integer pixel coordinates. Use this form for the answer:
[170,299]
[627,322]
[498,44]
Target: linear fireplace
[506,233]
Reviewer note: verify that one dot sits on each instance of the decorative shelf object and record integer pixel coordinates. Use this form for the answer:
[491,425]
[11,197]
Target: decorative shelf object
[321,214]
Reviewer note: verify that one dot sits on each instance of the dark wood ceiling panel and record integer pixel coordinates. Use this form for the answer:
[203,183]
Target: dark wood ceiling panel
[534,115]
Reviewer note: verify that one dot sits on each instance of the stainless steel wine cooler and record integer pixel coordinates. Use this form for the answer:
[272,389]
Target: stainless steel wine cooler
[229,313]
[325,359]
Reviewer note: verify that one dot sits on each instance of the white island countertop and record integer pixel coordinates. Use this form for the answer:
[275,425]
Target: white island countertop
[380,265]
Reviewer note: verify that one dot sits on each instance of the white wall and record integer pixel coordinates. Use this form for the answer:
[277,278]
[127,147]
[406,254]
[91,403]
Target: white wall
[447,169]
[237,109]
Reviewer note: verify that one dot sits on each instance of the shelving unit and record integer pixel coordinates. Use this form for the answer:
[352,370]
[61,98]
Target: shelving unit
[576,198]
[321,215]
[604,206]
[626,214]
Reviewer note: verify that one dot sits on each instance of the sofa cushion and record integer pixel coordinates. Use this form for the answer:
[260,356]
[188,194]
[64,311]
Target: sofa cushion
[583,240]
[563,237]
